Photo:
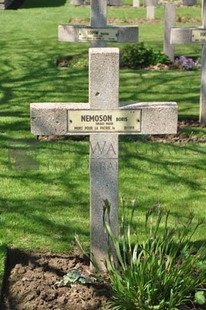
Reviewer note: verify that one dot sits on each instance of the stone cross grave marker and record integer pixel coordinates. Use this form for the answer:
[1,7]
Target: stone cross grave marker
[98,33]
[77,2]
[136,4]
[104,119]
[170,21]
[195,36]
[150,5]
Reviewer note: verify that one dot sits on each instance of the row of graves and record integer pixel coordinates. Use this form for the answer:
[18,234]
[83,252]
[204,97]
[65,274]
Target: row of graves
[103,118]
[172,36]
[149,4]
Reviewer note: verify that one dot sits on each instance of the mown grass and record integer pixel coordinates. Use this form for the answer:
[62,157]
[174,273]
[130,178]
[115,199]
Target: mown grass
[42,209]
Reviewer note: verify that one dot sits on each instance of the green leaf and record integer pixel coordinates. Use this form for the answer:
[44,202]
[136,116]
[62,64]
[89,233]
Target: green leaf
[200,298]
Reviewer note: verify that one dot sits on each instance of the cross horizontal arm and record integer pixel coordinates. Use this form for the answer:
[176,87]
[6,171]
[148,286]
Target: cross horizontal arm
[52,118]
[185,35]
[76,33]
[178,2]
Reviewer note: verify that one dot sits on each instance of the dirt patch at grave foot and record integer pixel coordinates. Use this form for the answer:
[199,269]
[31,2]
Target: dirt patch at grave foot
[30,283]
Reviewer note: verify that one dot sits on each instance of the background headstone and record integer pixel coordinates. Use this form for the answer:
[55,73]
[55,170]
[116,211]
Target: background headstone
[187,36]
[77,2]
[150,5]
[170,21]
[98,19]
[136,4]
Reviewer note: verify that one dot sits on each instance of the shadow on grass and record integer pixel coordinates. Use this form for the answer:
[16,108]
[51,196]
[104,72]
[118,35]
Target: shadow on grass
[34,77]
[162,86]
[172,174]
[46,222]
[60,208]
[28,4]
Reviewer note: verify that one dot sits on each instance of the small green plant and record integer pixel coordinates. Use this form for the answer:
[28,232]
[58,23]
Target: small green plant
[76,62]
[137,56]
[160,273]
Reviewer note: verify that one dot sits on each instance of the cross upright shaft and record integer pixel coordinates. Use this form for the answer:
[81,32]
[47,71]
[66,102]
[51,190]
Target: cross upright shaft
[98,16]
[103,94]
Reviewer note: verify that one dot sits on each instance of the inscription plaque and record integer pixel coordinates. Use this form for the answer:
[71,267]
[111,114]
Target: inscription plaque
[104,121]
[98,34]
[199,36]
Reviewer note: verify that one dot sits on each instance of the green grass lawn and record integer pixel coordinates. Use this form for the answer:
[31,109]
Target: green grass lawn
[42,209]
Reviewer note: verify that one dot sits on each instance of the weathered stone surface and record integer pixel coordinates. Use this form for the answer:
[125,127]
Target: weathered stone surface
[181,35]
[103,94]
[70,33]
[104,91]
[177,2]
[150,12]
[136,4]
[189,2]
[51,118]
[170,19]
[157,117]
[76,2]
[115,2]
[150,2]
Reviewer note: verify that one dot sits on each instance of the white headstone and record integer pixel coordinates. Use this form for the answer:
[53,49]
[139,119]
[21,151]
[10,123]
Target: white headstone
[77,2]
[170,21]
[103,118]
[136,4]
[150,5]
[98,33]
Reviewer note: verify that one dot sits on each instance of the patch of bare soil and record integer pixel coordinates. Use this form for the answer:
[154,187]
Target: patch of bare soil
[31,283]
[134,21]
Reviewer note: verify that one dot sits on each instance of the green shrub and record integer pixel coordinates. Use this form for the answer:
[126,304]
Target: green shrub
[137,56]
[163,272]
[75,62]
